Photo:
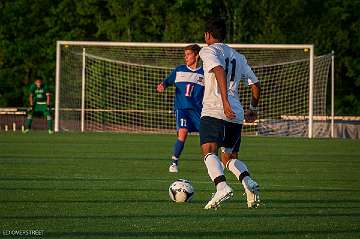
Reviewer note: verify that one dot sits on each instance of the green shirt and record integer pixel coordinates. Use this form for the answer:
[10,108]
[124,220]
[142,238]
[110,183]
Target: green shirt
[39,94]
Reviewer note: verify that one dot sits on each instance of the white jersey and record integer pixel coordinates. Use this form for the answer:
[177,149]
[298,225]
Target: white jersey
[236,70]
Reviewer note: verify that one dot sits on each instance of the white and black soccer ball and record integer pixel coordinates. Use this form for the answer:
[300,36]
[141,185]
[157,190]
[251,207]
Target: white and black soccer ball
[181,191]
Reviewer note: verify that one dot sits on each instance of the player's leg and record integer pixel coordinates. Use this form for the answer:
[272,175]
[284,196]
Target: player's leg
[29,118]
[230,149]
[47,114]
[211,135]
[241,172]
[182,132]
[188,121]
[177,149]
[229,157]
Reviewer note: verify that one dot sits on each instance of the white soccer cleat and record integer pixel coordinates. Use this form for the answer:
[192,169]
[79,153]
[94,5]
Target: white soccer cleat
[219,197]
[173,168]
[252,193]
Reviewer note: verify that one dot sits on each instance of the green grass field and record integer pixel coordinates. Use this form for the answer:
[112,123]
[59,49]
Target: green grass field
[101,185]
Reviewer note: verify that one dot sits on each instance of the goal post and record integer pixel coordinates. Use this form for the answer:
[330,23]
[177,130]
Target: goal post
[57,86]
[83,77]
[110,86]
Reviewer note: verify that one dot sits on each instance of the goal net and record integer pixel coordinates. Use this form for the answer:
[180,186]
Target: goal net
[112,87]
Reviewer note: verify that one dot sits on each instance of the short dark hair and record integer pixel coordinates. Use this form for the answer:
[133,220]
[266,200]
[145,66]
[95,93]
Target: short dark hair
[38,78]
[194,48]
[217,28]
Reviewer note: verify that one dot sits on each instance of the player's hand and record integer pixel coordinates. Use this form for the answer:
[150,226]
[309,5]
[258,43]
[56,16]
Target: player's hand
[229,113]
[49,108]
[160,88]
[31,109]
[250,116]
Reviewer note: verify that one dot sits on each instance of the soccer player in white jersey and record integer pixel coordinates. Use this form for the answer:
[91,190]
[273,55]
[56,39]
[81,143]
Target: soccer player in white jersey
[222,113]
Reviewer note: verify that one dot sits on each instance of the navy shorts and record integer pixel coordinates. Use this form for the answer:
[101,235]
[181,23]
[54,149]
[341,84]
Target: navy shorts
[211,130]
[188,119]
[232,138]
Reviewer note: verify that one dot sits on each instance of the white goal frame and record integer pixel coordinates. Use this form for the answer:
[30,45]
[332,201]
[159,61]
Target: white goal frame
[310,47]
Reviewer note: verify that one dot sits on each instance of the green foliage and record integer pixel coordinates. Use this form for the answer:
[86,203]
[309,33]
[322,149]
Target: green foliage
[29,31]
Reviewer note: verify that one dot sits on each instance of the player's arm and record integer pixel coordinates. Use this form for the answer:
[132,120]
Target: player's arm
[168,81]
[221,81]
[251,113]
[48,97]
[31,101]
[48,100]
[255,95]
[31,97]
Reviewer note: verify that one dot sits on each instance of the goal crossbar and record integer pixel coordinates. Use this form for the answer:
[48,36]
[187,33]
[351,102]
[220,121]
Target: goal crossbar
[153,44]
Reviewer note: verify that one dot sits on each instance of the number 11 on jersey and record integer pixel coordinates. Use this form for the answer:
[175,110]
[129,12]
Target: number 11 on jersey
[189,89]
[233,68]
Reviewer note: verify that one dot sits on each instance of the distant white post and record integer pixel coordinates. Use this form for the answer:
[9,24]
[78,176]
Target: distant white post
[332,92]
[311,91]
[83,90]
[57,86]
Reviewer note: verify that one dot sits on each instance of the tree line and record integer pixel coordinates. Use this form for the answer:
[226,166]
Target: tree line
[29,30]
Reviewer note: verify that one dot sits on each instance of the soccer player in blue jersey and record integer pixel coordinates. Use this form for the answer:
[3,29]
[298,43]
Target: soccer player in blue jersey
[188,80]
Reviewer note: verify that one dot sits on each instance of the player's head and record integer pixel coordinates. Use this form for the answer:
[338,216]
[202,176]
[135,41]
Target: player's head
[191,54]
[215,31]
[38,81]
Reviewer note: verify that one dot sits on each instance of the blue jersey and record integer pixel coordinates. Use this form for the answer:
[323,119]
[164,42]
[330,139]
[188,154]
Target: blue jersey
[189,87]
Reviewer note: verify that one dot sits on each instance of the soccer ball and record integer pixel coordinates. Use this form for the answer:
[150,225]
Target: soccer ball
[181,191]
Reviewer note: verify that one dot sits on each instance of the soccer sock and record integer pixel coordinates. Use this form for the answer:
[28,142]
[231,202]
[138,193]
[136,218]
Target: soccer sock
[222,165]
[28,123]
[220,185]
[49,123]
[178,148]
[215,170]
[238,168]
[174,160]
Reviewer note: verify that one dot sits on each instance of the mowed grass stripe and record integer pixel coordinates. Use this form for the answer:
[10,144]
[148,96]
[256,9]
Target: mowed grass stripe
[106,185]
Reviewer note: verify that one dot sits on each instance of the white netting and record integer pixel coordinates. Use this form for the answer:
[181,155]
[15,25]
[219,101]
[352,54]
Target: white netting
[120,83]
